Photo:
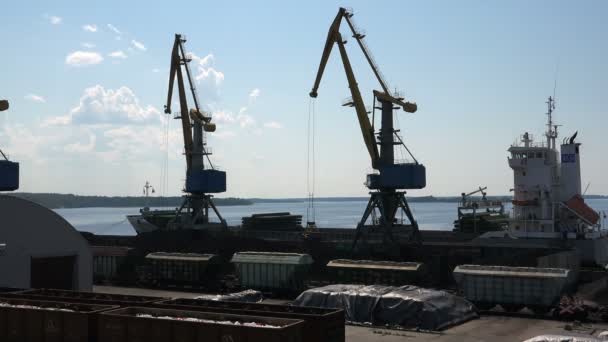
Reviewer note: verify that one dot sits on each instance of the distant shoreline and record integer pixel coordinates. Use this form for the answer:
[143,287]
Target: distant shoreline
[60,201]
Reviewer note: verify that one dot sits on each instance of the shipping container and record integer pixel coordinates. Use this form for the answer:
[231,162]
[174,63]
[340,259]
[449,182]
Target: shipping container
[376,272]
[33,320]
[281,272]
[320,324]
[170,325]
[85,297]
[512,287]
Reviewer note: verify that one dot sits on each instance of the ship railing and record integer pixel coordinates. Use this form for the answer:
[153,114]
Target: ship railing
[480,204]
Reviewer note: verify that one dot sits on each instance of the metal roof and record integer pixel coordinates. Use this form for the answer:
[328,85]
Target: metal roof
[180,256]
[370,264]
[508,271]
[271,258]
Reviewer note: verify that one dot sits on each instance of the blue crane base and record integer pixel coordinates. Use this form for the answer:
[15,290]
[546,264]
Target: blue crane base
[385,205]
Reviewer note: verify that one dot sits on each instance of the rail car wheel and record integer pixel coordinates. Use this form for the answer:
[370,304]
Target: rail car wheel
[512,307]
[484,306]
[540,309]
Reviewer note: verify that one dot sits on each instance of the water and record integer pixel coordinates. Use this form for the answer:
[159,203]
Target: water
[430,215]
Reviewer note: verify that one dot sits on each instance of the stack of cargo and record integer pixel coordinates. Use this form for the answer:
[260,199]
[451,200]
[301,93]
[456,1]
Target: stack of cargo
[279,272]
[320,324]
[273,221]
[168,325]
[376,272]
[512,287]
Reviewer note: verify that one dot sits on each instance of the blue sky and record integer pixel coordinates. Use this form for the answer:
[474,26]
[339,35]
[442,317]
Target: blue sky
[87,86]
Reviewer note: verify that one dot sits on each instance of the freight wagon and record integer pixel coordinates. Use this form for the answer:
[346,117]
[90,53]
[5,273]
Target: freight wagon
[513,288]
[180,270]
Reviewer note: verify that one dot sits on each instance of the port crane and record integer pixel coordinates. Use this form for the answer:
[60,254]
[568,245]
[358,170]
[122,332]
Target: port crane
[202,178]
[385,198]
[9,171]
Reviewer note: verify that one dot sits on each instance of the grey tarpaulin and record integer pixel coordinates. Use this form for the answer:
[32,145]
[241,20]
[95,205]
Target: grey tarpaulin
[563,338]
[249,296]
[406,306]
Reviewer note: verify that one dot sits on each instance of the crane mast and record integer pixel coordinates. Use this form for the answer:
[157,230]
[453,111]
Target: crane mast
[385,201]
[201,180]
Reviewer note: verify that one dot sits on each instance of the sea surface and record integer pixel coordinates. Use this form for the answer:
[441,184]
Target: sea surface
[330,214]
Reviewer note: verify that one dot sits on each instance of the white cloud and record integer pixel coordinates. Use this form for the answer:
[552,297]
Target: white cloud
[117,54]
[156,70]
[79,147]
[114,29]
[53,19]
[35,98]
[273,124]
[253,95]
[83,58]
[101,106]
[205,68]
[245,120]
[222,117]
[90,28]
[138,45]
[88,45]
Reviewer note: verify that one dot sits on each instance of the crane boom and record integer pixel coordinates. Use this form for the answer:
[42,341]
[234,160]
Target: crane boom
[177,61]
[359,37]
[364,123]
[334,37]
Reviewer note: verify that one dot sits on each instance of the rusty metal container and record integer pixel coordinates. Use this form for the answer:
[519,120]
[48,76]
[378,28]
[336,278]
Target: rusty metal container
[34,320]
[85,297]
[170,325]
[320,324]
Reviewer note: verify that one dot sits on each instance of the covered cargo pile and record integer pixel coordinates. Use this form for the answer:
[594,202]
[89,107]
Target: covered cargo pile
[247,296]
[273,221]
[320,324]
[512,287]
[168,325]
[405,306]
[376,272]
[282,272]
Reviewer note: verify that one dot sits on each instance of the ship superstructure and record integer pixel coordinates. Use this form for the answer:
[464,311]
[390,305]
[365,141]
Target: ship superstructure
[547,198]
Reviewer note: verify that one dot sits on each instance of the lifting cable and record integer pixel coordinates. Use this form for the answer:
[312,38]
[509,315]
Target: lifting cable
[164,171]
[310,164]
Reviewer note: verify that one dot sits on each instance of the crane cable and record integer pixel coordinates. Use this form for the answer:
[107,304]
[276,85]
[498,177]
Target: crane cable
[164,173]
[310,165]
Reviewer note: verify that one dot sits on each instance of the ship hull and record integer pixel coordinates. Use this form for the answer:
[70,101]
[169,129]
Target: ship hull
[140,224]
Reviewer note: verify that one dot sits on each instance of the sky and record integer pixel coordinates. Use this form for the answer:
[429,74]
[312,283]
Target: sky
[87,84]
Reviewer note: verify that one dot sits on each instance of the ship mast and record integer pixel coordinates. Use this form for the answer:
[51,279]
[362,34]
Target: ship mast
[551,128]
